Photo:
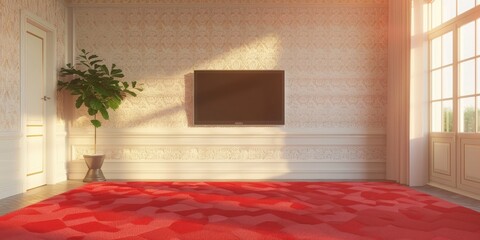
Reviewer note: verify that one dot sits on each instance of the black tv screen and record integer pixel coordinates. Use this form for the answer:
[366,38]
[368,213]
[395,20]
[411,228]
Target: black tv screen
[239,97]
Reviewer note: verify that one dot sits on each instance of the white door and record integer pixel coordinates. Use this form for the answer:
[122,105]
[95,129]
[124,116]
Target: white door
[35,105]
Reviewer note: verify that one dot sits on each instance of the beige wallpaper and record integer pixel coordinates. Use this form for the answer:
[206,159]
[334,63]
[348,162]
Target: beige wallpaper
[255,2]
[52,11]
[334,56]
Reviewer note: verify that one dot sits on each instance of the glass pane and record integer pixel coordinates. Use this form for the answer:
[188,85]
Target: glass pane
[478,36]
[449,9]
[447,116]
[436,117]
[467,40]
[465,5]
[436,13]
[467,114]
[436,84]
[478,75]
[447,48]
[447,82]
[467,77]
[436,52]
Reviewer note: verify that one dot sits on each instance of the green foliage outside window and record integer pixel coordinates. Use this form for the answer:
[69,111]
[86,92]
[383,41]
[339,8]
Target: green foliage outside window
[469,120]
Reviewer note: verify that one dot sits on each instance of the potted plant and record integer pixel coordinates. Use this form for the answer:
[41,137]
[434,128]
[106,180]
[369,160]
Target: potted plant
[98,89]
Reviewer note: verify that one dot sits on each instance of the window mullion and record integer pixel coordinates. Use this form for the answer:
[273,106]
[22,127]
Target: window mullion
[455,93]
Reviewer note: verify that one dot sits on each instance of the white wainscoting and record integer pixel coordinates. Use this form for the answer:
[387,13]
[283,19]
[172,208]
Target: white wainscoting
[240,153]
[469,162]
[442,162]
[455,163]
[11,177]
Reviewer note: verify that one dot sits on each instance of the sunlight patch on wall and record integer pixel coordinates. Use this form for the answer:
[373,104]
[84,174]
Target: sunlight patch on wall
[262,53]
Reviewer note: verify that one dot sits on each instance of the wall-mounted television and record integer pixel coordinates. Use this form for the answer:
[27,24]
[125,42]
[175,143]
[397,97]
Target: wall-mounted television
[239,97]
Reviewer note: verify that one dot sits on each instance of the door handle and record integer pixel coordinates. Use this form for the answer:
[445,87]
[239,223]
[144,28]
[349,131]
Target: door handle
[45,98]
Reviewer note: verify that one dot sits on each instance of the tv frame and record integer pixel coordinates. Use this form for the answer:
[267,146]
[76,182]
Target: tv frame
[247,123]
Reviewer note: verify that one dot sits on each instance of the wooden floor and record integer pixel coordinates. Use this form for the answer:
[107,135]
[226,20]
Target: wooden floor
[38,194]
[451,197]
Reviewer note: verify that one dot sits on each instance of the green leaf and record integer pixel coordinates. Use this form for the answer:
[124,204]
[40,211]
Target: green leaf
[92,57]
[96,123]
[105,69]
[85,64]
[92,71]
[79,102]
[116,71]
[100,90]
[94,62]
[130,92]
[92,111]
[96,104]
[114,103]
[125,84]
[104,113]
[134,83]
[118,75]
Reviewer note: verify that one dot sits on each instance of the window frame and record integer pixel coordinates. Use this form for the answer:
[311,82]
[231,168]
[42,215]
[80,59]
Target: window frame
[454,25]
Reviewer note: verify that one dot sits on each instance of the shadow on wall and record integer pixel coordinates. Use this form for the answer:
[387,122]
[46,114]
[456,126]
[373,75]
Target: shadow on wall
[166,77]
[189,98]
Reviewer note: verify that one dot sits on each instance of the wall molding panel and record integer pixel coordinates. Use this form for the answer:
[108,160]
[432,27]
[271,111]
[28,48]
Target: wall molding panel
[443,167]
[469,164]
[226,156]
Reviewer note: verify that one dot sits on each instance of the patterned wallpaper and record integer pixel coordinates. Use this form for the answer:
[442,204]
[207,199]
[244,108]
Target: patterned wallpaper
[52,11]
[255,2]
[334,56]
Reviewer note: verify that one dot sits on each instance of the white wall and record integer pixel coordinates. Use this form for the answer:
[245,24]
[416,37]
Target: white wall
[335,61]
[419,111]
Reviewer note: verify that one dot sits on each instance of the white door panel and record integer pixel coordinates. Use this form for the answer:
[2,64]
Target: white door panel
[35,105]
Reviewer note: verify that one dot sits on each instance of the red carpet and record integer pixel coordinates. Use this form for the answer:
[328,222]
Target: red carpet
[253,211]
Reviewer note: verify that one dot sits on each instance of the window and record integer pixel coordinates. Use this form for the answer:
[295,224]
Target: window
[468,77]
[455,66]
[444,10]
[441,83]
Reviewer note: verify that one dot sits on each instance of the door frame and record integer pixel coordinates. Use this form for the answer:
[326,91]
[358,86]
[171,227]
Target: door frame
[50,91]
